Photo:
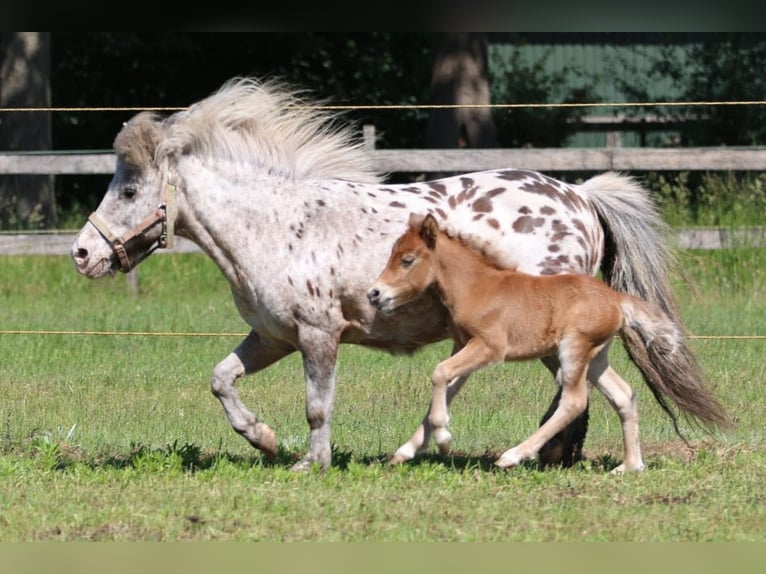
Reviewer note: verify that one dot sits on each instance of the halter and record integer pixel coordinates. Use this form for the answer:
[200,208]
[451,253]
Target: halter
[165,215]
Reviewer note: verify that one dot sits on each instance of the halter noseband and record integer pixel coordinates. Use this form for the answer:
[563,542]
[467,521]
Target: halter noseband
[165,215]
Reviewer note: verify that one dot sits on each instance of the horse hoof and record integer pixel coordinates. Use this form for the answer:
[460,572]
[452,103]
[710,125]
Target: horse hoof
[267,441]
[398,459]
[302,466]
[508,459]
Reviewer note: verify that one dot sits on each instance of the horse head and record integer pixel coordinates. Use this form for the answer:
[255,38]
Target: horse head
[409,270]
[136,214]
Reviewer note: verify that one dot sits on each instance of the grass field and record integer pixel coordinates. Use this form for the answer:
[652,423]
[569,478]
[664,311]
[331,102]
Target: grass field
[118,437]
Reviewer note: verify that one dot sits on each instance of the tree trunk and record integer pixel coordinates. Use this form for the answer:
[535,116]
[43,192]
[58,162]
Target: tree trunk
[26,201]
[461,76]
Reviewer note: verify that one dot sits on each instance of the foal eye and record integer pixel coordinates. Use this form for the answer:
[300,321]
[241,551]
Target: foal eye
[129,192]
[407,260]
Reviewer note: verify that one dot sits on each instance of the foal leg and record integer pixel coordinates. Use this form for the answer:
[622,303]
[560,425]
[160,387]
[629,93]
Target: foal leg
[475,355]
[565,448]
[574,357]
[623,400]
[251,355]
[418,442]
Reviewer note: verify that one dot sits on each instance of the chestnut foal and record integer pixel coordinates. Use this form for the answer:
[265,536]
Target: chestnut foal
[503,315]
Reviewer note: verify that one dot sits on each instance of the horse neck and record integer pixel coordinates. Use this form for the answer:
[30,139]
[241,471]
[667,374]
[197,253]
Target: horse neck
[457,270]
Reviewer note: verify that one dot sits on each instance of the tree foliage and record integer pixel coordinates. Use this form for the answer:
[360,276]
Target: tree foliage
[716,67]
[515,81]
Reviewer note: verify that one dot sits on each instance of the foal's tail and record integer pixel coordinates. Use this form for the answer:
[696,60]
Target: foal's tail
[637,260]
[655,343]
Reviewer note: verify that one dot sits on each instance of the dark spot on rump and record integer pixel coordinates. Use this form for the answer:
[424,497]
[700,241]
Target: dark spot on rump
[438,187]
[332,270]
[547,210]
[560,230]
[396,204]
[441,213]
[515,174]
[553,248]
[320,202]
[478,216]
[493,223]
[430,199]
[290,280]
[411,189]
[451,201]
[554,265]
[542,189]
[466,181]
[525,210]
[483,205]
[310,287]
[494,192]
[527,224]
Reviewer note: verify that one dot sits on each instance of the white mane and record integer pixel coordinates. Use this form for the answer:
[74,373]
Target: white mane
[267,124]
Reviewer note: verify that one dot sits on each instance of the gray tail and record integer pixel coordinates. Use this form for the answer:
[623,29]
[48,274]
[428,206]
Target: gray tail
[656,345]
[637,259]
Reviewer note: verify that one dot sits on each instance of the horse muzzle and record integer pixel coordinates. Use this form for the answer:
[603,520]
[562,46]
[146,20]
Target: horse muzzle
[380,301]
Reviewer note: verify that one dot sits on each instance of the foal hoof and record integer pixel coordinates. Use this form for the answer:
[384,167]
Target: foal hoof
[508,459]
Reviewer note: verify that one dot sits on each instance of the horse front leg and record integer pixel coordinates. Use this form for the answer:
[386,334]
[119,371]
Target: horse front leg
[418,442]
[320,353]
[474,355]
[251,355]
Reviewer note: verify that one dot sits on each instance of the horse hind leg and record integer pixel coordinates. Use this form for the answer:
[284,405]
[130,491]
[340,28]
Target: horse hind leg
[623,400]
[565,448]
[250,356]
[574,400]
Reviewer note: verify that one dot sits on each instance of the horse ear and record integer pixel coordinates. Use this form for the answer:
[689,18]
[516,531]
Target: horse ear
[137,141]
[429,231]
[415,221]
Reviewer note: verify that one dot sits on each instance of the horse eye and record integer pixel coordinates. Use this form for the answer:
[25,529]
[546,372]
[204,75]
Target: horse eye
[129,192]
[407,260]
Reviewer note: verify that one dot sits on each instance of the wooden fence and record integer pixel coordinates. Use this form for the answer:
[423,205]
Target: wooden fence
[451,160]
[435,161]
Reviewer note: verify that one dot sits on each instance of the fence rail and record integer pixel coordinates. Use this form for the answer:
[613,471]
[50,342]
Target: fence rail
[451,160]
[434,161]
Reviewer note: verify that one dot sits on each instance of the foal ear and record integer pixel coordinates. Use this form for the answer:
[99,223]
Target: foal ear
[429,230]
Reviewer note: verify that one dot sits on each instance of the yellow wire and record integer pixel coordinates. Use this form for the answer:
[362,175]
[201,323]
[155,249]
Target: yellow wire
[410,106]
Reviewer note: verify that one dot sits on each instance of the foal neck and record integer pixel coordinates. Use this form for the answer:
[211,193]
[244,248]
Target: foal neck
[458,269]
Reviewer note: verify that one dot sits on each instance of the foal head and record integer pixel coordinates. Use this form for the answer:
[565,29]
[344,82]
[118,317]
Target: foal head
[409,270]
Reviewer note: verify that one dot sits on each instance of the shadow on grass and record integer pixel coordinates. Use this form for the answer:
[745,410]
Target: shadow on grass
[188,457]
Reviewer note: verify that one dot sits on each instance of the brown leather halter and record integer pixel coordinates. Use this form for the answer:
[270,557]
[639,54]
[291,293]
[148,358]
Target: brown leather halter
[164,215]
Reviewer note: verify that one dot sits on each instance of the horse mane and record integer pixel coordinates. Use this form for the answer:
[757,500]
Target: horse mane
[262,123]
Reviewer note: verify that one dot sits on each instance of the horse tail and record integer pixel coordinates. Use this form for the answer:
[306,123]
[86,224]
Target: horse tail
[655,343]
[637,258]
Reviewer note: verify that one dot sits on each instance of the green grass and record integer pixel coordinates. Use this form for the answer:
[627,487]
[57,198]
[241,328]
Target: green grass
[119,438]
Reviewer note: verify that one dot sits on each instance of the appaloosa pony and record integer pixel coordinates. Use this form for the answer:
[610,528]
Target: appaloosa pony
[287,203]
[501,315]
